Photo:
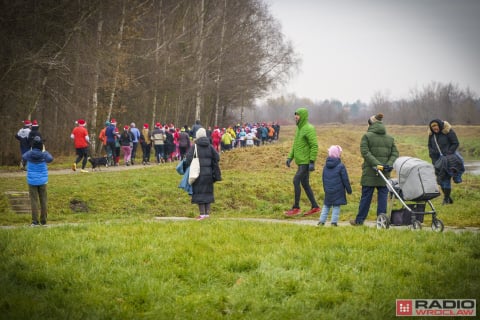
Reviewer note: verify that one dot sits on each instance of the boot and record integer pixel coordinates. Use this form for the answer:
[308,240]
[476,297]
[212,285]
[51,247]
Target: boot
[446,196]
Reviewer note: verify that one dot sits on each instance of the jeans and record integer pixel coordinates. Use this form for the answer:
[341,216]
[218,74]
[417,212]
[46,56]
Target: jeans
[303,177]
[335,213]
[366,199]
[38,193]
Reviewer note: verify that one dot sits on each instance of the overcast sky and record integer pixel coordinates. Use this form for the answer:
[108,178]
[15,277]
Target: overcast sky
[352,49]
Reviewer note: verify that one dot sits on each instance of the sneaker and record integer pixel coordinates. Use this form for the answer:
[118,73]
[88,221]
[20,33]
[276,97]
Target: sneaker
[354,223]
[84,171]
[74,167]
[334,224]
[311,211]
[293,212]
[203,216]
[34,224]
[320,223]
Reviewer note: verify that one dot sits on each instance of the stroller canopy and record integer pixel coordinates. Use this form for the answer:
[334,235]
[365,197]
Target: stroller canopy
[416,179]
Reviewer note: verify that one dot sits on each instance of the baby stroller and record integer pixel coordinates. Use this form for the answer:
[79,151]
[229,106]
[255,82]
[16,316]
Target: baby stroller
[414,187]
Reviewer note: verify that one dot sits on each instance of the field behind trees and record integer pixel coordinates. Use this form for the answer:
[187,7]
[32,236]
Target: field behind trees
[121,260]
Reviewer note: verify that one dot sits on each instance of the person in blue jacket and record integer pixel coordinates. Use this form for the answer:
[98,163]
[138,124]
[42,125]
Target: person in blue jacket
[335,183]
[37,179]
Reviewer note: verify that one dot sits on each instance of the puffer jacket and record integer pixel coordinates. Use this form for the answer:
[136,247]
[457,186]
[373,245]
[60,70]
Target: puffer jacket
[37,170]
[203,186]
[377,148]
[335,182]
[305,144]
[446,138]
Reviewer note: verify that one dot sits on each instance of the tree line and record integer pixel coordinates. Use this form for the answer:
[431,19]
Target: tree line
[171,61]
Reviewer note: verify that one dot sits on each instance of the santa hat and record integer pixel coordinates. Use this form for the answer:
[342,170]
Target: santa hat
[375,118]
[158,125]
[113,121]
[334,151]
[35,123]
[27,123]
[81,122]
[126,128]
[116,130]
[145,125]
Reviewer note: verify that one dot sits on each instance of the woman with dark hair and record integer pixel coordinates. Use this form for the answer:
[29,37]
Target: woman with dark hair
[443,141]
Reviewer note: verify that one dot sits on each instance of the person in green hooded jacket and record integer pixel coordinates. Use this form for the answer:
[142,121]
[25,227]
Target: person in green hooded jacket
[304,151]
[379,151]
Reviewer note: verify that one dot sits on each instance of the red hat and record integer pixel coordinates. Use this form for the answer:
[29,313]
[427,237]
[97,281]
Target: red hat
[158,124]
[145,125]
[125,128]
[116,129]
[27,123]
[35,123]
[81,122]
[113,121]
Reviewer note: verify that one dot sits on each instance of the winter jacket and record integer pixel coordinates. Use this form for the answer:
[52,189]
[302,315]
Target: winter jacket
[305,144]
[37,170]
[110,134]
[446,138]
[203,186]
[126,138]
[335,182]
[184,140]
[377,148]
[158,136]
[22,136]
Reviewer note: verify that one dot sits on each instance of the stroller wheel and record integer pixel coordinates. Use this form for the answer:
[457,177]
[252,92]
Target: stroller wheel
[416,225]
[437,225]
[382,221]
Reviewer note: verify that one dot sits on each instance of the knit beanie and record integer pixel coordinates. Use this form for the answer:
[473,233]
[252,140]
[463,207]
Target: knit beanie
[200,133]
[37,143]
[375,118]
[334,151]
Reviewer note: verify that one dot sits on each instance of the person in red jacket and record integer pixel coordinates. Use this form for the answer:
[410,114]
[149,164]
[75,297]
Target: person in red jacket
[81,141]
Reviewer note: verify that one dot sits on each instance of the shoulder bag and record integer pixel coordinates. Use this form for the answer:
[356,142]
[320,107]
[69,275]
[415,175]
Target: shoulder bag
[194,167]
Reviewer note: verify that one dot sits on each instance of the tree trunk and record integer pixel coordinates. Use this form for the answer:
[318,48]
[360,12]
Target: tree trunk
[200,69]
[96,76]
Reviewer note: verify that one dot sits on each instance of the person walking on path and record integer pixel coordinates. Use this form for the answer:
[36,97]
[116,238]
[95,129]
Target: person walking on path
[22,137]
[37,179]
[136,138]
[443,141]
[80,140]
[335,183]
[304,151]
[34,132]
[112,136]
[126,145]
[146,144]
[203,190]
[379,151]
[103,138]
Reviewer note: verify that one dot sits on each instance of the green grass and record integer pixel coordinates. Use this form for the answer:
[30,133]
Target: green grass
[228,269]
[117,261]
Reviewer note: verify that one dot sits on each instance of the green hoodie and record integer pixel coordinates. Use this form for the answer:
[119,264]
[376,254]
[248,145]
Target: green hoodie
[305,144]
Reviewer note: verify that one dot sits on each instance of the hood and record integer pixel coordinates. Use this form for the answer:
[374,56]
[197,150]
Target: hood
[36,156]
[445,127]
[303,113]
[332,162]
[202,141]
[377,127]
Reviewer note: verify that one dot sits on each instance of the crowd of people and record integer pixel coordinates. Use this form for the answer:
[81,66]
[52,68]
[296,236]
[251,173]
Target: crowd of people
[169,143]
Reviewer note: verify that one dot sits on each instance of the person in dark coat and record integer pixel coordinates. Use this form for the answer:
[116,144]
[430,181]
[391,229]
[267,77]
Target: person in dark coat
[203,185]
[442,136]
[379,151]
[22,136]
[335,183]
[37,179]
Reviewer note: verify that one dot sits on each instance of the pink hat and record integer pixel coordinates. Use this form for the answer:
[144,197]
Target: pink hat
[335,151]
[81,122]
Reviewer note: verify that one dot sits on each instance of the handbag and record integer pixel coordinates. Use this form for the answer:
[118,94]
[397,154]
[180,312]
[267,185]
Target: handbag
[194,167]
[440,164]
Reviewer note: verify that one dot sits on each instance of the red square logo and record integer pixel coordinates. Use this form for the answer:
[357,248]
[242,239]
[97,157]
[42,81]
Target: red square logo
[404,307]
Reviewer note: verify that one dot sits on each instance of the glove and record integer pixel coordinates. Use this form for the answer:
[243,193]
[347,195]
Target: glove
[387,168]
[288,162]
[379,167]
[311,166]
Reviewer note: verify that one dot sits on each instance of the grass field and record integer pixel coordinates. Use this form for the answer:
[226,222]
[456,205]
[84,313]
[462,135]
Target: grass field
[117,261]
